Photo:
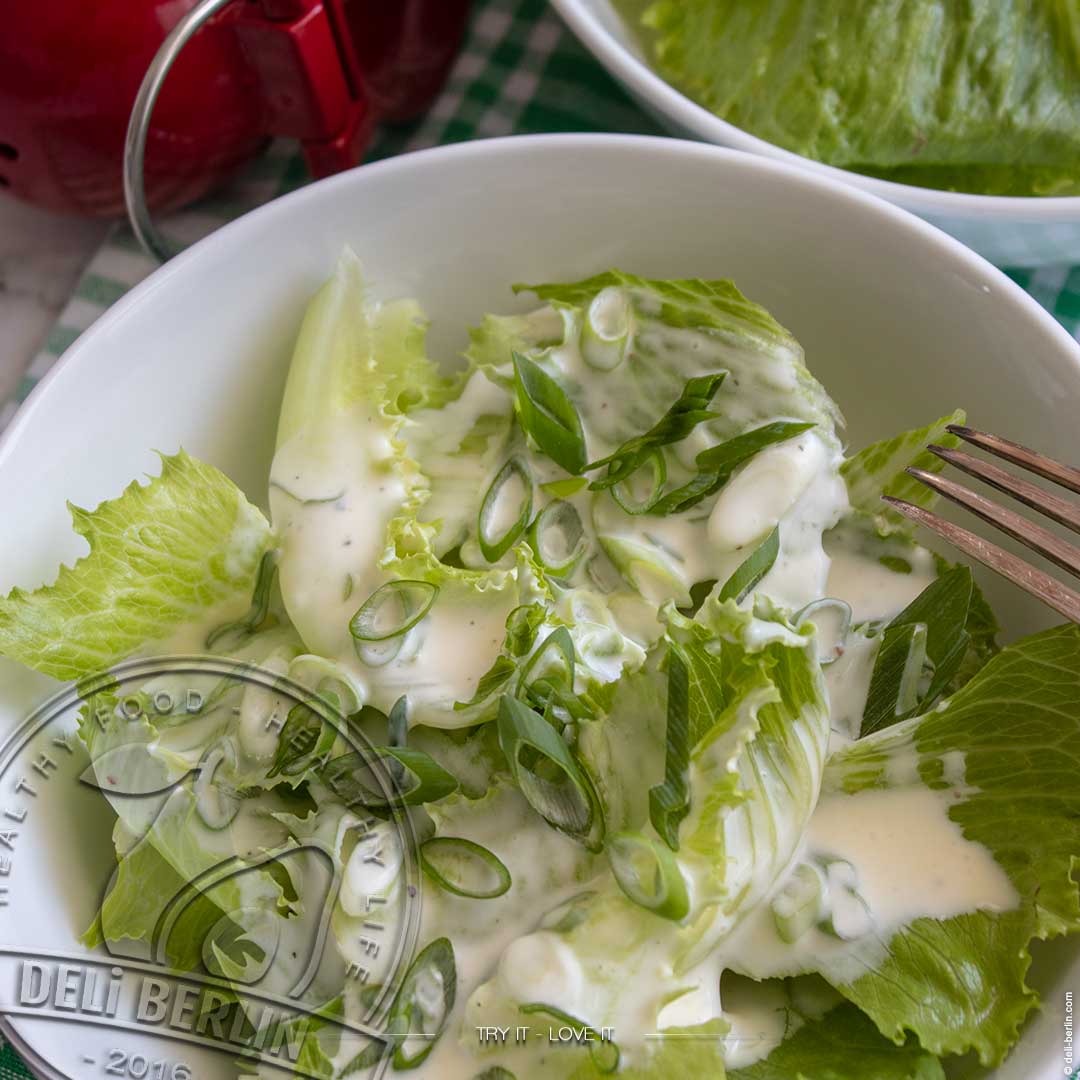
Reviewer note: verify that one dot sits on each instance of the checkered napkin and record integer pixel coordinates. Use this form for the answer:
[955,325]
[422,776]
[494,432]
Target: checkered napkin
[520,71]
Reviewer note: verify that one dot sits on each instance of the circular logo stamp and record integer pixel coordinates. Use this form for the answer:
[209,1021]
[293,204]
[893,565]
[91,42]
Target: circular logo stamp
[205,872]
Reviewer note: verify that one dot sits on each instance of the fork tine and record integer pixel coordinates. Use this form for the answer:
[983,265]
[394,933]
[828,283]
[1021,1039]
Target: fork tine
[1040,540]
[1041,585]
[1053,506]
[1039,464]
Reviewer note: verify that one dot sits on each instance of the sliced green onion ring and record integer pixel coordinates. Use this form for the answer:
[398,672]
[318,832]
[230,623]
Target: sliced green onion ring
[604,1053]
[423,1004]
[326,677]
[451,861]
[556,649]
[832,621]
[495,545]
[216,804]
[558,538]
[406,602]
[305,737]
[550,778]
[649,874]
[623,493]
[563,489]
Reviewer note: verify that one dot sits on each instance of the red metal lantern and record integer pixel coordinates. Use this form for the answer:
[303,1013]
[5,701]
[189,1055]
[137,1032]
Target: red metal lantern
[323,71]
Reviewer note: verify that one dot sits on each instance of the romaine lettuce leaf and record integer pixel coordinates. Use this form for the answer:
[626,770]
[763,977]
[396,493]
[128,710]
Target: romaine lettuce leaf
[162,556]
[642,339]
[1005,746]
[352,350]
[976,99]
[758,732]
[842,1045]
[878,470]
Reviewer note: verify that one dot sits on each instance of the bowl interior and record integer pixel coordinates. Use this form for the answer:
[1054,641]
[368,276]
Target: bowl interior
[899,322]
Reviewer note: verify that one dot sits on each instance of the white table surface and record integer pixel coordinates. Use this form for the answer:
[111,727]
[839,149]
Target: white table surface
[41,255]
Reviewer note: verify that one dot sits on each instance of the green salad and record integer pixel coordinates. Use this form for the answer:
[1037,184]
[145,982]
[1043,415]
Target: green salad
[711,764]
[978,97]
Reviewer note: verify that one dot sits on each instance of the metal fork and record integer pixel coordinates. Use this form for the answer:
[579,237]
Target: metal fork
[1051,591]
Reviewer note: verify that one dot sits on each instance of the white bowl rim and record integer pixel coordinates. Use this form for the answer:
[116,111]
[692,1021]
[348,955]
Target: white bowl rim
[950,249]
[686,112]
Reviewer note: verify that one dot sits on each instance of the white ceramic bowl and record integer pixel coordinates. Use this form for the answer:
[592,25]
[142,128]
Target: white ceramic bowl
[901,322]
[1007,231]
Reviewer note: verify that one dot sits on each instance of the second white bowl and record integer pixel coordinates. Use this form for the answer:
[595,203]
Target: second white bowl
[1008,231]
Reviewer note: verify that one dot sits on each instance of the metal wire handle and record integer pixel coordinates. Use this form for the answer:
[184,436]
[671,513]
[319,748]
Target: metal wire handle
[138,212]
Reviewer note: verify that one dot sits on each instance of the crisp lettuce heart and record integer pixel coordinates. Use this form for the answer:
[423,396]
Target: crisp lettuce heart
[162,556]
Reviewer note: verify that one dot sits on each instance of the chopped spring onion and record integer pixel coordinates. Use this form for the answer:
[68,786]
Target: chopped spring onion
[326,677]
[681,417]
[464,868]
[493,542]
[606,331]
[351,777]
[647,569]
[831,620]
[491,682]
[753,569]
[260,604]
[310,500]
[641,496]
[800,904]
[604,1053]
[563,489]
[550,670]
[718,463]
[423,1004]
[558,538]
[548,415]
[216,804]
[649,874]
[848,915]
[305,737]
[669,802]
[496,1072]
[550,778]
[397,723]
[392,610]
[522,625]
[896,681]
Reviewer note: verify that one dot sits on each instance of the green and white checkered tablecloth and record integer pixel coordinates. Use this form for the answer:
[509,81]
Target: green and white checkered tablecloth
[520,71]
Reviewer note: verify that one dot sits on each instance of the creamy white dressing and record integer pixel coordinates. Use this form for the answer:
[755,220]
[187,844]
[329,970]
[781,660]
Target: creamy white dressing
[911,860]
[331,548]
[873,590]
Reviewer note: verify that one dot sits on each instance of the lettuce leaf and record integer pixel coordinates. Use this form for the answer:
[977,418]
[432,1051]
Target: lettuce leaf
[878,470]
[353,350]
[758,731]
[973,98]
[162,556]
[842,1045]
[1005,746]
[642,340]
